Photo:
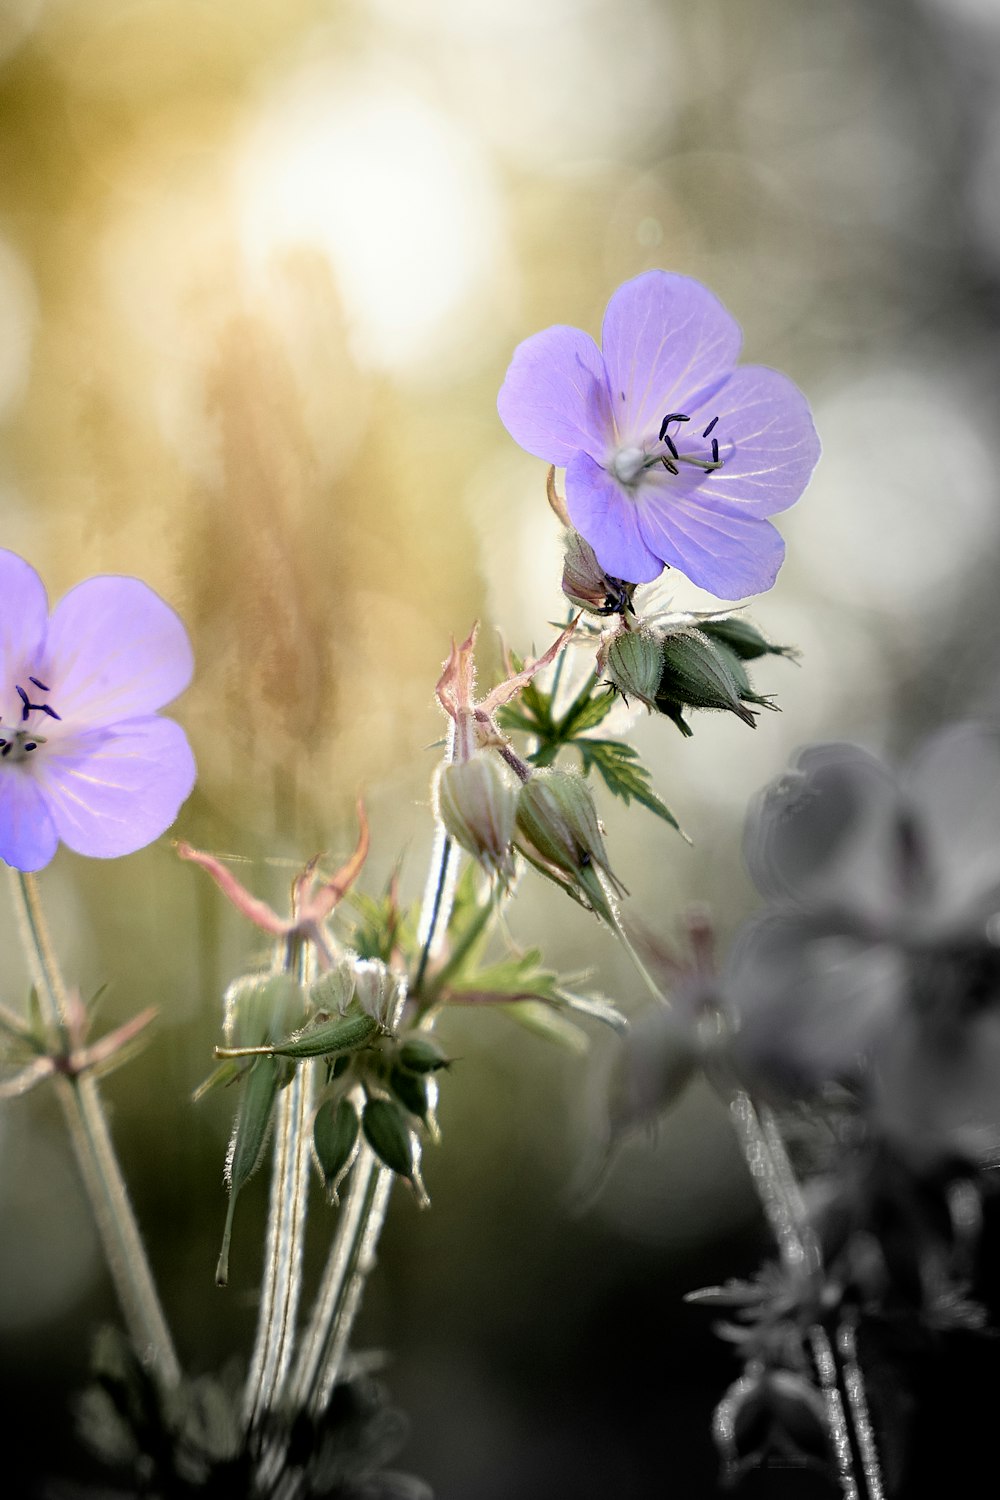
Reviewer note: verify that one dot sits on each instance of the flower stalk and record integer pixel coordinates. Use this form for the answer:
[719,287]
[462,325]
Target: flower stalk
[80,1100]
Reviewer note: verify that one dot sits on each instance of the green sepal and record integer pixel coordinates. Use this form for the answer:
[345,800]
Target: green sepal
[335,1139]
[696,674]
[246,1146]
[389,1136]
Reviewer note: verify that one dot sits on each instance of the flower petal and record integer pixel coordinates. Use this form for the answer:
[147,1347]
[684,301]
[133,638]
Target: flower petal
[28,838]
[110,792]
[666,338]
[607,517]
[953,786]
[24,611]
[554,399]
[826,833]
[719,548]
[116,650]
[767,441]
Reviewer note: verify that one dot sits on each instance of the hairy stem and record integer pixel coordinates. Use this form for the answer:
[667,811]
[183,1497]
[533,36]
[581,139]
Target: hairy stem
[91,1140]
[281,1279]
[351,1259]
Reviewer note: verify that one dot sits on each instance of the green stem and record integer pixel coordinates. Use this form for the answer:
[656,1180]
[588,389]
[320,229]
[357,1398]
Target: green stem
[95,1153]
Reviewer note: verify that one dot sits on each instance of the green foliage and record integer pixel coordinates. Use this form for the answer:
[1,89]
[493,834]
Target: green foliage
[624,775]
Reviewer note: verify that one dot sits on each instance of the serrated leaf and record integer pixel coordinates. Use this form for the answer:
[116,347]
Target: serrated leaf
[624,775]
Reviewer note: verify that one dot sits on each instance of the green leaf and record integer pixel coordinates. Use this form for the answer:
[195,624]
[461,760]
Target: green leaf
[623,774]
[250,1132]
[551,1025]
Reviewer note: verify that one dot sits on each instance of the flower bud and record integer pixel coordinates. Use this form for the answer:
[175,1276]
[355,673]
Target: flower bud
[633,663]
[422,1054]
[558,831]
[377,990]
[476,799]
[394,1143]
[696,674]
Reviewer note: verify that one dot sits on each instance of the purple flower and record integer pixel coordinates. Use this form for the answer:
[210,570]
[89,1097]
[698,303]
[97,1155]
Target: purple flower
[84,757]
[672,456]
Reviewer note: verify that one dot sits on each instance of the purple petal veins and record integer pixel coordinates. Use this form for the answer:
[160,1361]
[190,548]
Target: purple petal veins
[673,456]
[84,757]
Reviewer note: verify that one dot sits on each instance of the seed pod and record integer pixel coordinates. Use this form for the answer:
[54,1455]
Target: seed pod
[411,1091]
[246,1146]
[389,1136]
[633,663]
[335,1143]
[421,1054]
[476,799]
[742,638]
[696,675]
[321,1039]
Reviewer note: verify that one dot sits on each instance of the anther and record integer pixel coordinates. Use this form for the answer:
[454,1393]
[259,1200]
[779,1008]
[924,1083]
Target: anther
[671,445]
[30,745]
[708,429]
[6,749]
[670,467]
[42,685]
[45,709]
[715,450]
[672,416]
[25,705]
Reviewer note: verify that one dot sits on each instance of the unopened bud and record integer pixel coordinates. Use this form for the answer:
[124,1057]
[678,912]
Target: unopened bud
[389,1135]
[422,1054]
[558,831]
[696,674]
[633,663]
[377,990]
[476,801]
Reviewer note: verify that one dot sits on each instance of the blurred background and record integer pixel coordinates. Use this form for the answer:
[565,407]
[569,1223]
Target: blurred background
[262,267]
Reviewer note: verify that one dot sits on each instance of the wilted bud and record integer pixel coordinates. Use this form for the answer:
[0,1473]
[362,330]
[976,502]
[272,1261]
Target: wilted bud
[261,1008]
[633,663]
[697,674]
[558,831]
[584,581]
[476,800]
[333,991]
[335,1142]
[377,990]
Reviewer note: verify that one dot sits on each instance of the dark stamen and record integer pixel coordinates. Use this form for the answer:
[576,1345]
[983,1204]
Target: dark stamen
[42,685]
[672,416]
[671,468]
[715,450]
[671,445]
[45,709]
[30,745]
[26,706]
[6,749]
[708,429]
[622,395]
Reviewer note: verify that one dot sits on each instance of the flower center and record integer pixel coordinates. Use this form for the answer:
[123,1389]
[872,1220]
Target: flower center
[707,459]
[628,464]
[17,744]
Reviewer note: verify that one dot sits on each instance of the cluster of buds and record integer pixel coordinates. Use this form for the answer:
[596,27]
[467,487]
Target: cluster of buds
[492,803]
[687,661]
